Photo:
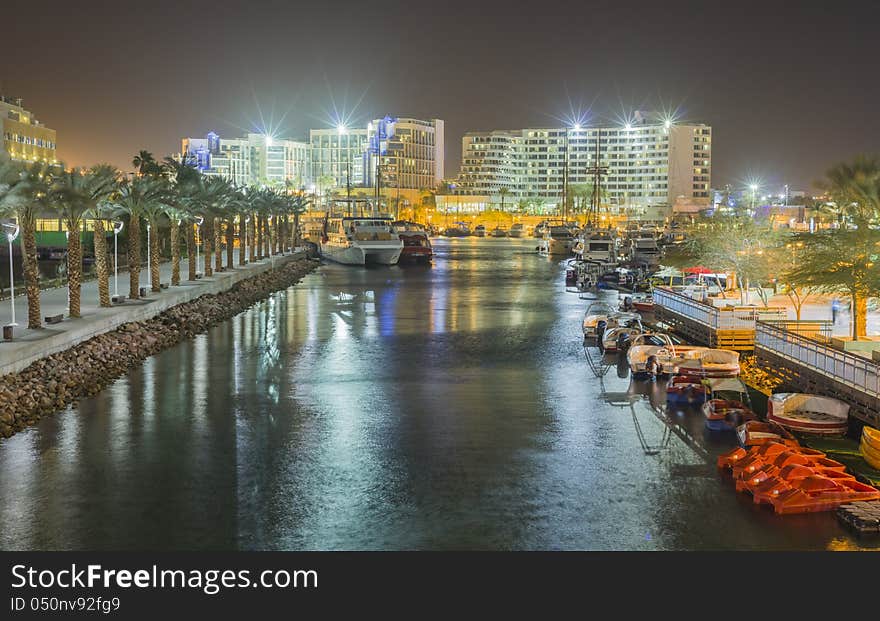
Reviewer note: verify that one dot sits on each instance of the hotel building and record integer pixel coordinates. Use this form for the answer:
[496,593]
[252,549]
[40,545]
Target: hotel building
[256,159]
[24,137]
[649,162]
[336,152]
[412,157]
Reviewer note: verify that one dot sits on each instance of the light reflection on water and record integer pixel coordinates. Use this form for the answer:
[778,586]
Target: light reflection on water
[440,407]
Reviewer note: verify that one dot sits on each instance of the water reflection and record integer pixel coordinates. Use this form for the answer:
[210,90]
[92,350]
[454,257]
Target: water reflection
[439,407]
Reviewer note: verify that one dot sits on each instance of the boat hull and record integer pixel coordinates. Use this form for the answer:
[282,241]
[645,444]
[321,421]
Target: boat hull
[362,254]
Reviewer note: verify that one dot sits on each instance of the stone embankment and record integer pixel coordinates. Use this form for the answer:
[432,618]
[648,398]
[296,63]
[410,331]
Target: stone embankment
[52,383]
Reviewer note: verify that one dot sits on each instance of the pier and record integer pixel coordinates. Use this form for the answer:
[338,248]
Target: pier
[731,327]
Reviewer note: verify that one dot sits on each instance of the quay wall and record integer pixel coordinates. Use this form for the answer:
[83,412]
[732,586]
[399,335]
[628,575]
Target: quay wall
[91,358]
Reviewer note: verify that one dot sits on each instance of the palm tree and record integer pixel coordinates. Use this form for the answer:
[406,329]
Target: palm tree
[503,192]
[297,205]
[146,164]
[136,195]
[182,198]
[76,194]
[24,190]
[155,210]
[855,190]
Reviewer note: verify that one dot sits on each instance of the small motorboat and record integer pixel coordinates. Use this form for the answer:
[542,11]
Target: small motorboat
[416,244]
[728,405]
[639,302]
[808,413]
[599,311]
[459,229]
[499,232]
[517,230]
[709,363]
[754,432]
[685,390]
[869,447]
[480,230]
[616,339]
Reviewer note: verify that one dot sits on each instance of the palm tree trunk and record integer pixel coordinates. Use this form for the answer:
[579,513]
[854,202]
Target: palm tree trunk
[175,252]
[134,256]
[230,241]
[74,269]
[218,247]
[31,271]
[282,234]
[859,315]
[102,263]
[259,237]
[252,237]
[207,234]
[295,230]
[242,233]
[279,246]
[191,250]
[154,257]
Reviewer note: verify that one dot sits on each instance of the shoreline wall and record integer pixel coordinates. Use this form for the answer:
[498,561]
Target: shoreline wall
[86,367]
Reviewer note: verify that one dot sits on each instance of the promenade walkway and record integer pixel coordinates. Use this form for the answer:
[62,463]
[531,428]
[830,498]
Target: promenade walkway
[30,345]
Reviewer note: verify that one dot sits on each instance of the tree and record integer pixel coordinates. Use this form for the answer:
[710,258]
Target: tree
[24,189]
[503,193]
[133,198]
[787,257]
[146,164]
[76,194]
[854,189]
[841,260]
[739,245]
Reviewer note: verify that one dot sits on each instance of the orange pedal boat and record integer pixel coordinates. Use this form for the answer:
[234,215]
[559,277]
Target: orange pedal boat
[790,477]
[817,493]
[755,432]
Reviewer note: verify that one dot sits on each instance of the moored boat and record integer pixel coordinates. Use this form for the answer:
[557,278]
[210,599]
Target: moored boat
[480,230]
[416,244]
[755,432]
[685,390]
[499,231]
[870,446]
[807,413]
[517,230]
[360,240]
[728,405]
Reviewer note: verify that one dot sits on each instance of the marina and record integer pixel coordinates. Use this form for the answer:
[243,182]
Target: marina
[468,415]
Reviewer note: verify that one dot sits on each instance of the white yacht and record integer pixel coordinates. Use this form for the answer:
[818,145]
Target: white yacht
[357,241]
[597,246]
[557,240]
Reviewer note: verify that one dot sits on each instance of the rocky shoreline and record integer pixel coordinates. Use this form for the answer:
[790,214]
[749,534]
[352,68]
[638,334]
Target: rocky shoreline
[59,380]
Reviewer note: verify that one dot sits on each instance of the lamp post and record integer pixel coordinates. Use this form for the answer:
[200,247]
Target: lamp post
[149,264]
[199,220]
[117,229]
[12,231]
[67,237]
[246,220]
[754,188]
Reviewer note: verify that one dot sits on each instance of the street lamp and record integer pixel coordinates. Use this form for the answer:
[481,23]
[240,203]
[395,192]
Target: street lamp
[12,232]
[199,220]
[754,188]
[117,229]
[149,263]
[247,219]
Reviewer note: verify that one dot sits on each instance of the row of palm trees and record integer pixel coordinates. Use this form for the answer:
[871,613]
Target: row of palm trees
[170,197]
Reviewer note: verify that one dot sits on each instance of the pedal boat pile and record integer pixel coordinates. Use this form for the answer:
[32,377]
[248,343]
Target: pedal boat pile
[789,477]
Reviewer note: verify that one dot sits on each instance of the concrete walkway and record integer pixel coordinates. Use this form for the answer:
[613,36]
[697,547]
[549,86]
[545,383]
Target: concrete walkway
[30,345]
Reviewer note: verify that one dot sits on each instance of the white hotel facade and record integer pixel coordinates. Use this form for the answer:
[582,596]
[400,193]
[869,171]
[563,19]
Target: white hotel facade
[650,162]
[407,153]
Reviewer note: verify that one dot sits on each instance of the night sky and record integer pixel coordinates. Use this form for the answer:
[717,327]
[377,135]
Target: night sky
[789,89]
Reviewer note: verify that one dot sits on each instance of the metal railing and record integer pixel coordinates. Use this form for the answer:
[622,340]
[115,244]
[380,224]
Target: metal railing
[850,369]
[730,318]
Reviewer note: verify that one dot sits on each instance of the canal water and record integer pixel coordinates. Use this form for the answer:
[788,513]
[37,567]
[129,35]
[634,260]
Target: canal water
[441,407]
